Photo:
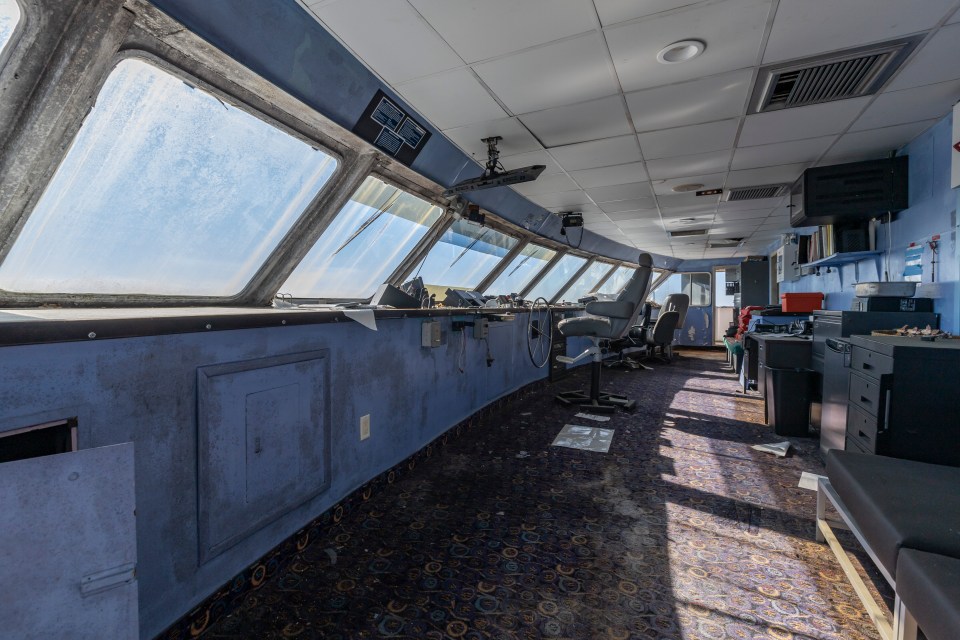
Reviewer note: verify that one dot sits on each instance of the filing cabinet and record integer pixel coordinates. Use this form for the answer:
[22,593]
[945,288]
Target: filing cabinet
[901,399]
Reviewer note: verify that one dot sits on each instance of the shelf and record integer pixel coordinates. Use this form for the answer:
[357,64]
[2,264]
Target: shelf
[838,259]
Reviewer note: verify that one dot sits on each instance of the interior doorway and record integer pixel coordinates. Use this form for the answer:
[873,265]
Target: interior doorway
[723,304]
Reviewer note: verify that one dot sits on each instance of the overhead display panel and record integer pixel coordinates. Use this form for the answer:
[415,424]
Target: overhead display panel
[464,255]
[521,270]
[167,190]
[364,243]
[387,125]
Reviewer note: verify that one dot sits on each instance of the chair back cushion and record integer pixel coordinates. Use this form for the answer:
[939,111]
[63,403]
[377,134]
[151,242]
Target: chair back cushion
[666,324]
[678,302]
[635,293]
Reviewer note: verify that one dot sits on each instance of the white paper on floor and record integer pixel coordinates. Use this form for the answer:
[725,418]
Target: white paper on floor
[778,449]
[589,416]
[586,438]
[809,480]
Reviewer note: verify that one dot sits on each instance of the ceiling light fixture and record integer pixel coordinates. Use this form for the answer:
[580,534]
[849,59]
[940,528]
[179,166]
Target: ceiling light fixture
[682,51]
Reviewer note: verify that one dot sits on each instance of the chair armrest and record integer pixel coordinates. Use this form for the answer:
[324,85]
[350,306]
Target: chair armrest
[611,308]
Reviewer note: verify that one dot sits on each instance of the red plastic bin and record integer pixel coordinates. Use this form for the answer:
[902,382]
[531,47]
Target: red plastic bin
[801,302]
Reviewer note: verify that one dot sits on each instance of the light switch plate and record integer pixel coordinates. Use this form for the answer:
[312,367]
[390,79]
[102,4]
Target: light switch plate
[365,427]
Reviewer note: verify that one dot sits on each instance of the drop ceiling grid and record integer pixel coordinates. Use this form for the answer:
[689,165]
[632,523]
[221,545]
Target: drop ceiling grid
[538,133]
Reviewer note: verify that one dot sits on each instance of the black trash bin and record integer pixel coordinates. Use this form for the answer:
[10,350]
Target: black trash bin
[789,394]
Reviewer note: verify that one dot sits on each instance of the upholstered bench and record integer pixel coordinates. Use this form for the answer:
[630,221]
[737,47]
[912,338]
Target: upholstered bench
[890,505]
[928,586]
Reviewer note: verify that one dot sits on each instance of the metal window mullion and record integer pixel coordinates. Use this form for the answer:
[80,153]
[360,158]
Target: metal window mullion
[606,276]
[422,248]
[543,272]
[305,233]
[491,277]
[579,274]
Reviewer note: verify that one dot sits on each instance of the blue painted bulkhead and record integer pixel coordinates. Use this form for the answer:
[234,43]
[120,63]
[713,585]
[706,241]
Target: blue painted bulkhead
[145,390]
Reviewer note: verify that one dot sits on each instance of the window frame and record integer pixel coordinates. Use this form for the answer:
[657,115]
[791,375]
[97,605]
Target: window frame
[666,275]
[6,53]
[612,266]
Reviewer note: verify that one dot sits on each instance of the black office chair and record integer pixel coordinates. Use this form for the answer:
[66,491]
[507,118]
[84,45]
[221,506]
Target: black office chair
[605,320]
[662,335]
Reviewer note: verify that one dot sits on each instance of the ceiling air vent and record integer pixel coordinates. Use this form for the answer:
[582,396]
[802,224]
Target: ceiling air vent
[834,76]
[686,233]
[725,243]
[757,193]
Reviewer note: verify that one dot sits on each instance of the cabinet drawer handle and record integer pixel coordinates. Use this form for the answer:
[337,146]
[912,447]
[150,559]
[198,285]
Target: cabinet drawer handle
[864,399]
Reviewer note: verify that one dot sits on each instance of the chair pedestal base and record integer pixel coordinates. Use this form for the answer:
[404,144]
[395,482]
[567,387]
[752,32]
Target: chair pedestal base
[605,403]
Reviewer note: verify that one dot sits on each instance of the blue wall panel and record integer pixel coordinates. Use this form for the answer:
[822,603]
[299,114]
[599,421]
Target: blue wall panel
[933,210]
[144,390]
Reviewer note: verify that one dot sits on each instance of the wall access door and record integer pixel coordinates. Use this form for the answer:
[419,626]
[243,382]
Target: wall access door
[68,546]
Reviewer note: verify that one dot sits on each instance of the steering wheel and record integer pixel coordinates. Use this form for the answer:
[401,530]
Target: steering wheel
[540,332]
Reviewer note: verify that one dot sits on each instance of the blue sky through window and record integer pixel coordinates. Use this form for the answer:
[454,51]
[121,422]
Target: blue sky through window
[165,190]
[586,282]
[617,280]
[559,275]
[521,270]
[464,255]
[364,243]
[9,17]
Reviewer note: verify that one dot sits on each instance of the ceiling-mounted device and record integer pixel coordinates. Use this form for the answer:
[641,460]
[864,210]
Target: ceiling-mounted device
[570,219]
[494,175]
[474,215]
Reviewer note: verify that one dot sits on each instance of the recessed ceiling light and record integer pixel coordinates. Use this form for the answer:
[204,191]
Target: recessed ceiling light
[681,51]
[685,188]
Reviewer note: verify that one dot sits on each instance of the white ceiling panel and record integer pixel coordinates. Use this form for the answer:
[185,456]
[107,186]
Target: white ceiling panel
[686,200]
[516,138]
[593,120]
[876,143]
[800,122]
[697,138]
[928,65]
[753,214]
[614,11]
[529,159]
[763,204]
[481,29]
[909,105]
[732,30]
[374,41]
[808,27]
[599,153]
[710,181]
[562,199]
[648,216]
[638,204]
[451,99]
[585,209]
[781,153]
[554,75]
[768,175]
[605,176]
[547,184]
[697,164]
[704,100]
[622,192]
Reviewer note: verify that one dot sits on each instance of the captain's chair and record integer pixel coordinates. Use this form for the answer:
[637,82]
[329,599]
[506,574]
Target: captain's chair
[606,320]
[678,302]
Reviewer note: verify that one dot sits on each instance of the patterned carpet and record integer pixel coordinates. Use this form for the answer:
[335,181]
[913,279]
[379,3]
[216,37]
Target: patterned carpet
[680,531]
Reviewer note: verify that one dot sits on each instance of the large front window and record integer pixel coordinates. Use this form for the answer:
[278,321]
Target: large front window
[521,270]
[695,285]
[9,19]
[464,255]
[586,282]
[558,276]
[166,190]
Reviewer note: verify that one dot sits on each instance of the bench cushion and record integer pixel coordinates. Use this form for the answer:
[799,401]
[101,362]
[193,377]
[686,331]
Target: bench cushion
[899,503]
[929,585]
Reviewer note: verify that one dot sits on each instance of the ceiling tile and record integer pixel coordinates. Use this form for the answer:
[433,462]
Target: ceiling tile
[605,176]
[808,27]
[753,214]
[697,138]
[787,173]
[481,29]
[593,120]
[547,184]
[927,66]
[800,122]
[516,138]
[697,164]
[781,153]
[529,159]
[909,105]
[732,30]
[451,99]
[621,192]
[562,199]
[586,209]
[704,100]
[613,11]
[876,143]
[639,204]
[686,200]
[599,153]
[665,188]
[763,204]
[554,75]
[646,216]
[374,41]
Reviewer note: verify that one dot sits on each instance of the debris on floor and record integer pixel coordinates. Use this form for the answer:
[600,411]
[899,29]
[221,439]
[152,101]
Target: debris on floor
[590,416]
[778,449]
[586,438]
[809,480]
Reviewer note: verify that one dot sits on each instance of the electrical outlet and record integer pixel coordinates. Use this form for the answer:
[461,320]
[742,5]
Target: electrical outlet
[365,427]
